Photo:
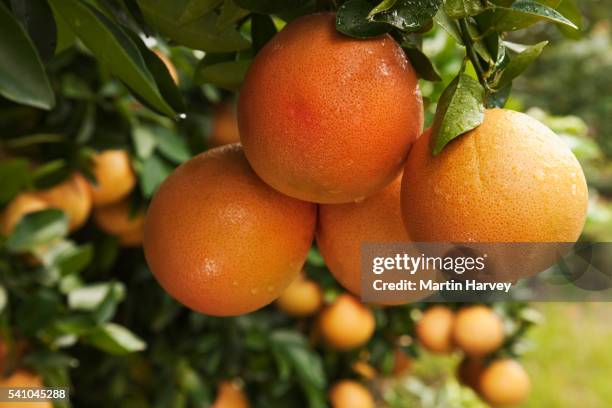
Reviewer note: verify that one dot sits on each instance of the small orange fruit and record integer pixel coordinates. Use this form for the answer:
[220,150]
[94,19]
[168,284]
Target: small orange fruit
[23,379]
[350,394]
[434,329]
[224,125]
[315,112]
[132,239]
[229,395]
[347,323]
[73,197]
[303,297]
[504,382]
[119,218]
[21,205]
[220,240]
[478,331]
[115,178]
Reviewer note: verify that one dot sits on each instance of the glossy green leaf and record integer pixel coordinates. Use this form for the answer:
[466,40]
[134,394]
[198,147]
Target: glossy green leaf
[448,25]
[73,260]
[262,30]
[37,18]
[91,296]
[227,75]
[569,9]
[196,9]
[519,63]
[38,228]
[463,8]
[115,339]
[460,109]
[269,6]
[22,76]
[154,172]
[352,20]
[421,64]
[498,99]
[13,178]
[230,14]
[201,34]
[384,5]
[409,15]
[171,145]
[113,48]
[524,13]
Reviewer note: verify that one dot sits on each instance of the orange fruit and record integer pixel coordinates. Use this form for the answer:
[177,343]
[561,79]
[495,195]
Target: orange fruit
[169,65]
[229,395]
[115,178]
[119,218]
[342,228]
[402,363]
[347,323]
[434,329]
[73,197]
[509,180]
[224,125]
[469,372]
[504,382]
[21,205]
[350,394]
[131,238]
[220,240]
[23,379]
[303,297]
[315,107]
[478,331]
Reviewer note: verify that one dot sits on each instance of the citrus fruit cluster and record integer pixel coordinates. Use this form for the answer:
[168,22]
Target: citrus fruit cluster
[478,332]
[329,128]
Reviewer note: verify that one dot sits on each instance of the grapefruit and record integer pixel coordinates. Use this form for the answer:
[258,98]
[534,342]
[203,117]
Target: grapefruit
[478,331]
[504,382]
[73,197]
[221,241]
[509,180]
[350,394]
[114,176]
[347,323]
[328,118]
[21,205]
[224,125]
[303,297]
[434,329]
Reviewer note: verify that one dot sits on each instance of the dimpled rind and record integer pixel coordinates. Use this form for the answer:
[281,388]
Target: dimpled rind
[509,180]
[221,241]
[342,228]
[327,118]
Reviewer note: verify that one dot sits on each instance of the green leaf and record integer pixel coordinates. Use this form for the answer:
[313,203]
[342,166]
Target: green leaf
[107,308]
[113,48]
[227,75]
[161,75]
[37,18]
[90,297]
[196,9]
[352,20]
[171,145]
[463,8]
[22,76]
[409,15]
[519,63]
[115,339]
[154,172]
[144,139]
[305,363]
[524,13]
[14,177]
[230,14]
[448,25]
[201,34]
[38,228]
[66,38]
[269,6]
[421,63]
[262,30]
[67,257]
[459,110]
[570,10]
[498,99]
[384,5]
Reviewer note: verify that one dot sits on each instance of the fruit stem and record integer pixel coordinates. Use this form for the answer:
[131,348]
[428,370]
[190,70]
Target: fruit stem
[471,52]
